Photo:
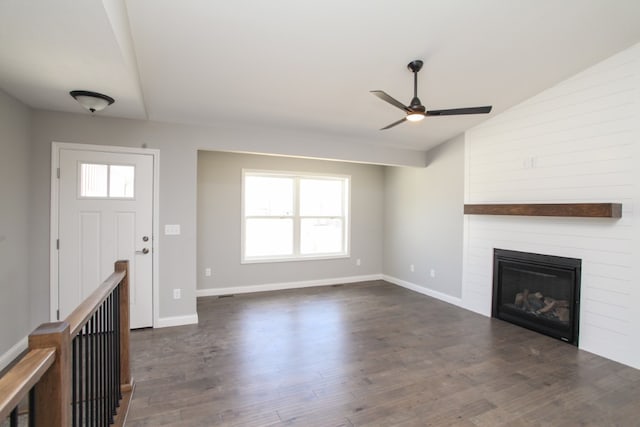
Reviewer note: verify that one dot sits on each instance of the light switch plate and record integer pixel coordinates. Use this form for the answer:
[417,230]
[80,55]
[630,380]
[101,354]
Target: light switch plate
[172,229]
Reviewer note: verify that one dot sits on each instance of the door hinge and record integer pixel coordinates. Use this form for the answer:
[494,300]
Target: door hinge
[58,244]
[57,314]
[58,173]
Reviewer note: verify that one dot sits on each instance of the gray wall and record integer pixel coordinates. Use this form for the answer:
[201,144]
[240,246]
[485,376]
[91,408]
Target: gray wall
[424,220]
[178,145]
[14,228]
[219,221]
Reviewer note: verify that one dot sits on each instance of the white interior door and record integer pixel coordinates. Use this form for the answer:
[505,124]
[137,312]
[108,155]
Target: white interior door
[105,203]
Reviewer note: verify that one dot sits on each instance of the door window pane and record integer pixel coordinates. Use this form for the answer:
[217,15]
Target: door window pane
[93,180]
[121,181]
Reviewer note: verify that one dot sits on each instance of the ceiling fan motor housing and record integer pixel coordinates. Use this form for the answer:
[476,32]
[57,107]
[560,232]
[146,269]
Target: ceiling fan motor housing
[416,105]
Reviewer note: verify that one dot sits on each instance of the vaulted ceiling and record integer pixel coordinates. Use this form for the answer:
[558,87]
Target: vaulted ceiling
[304,65]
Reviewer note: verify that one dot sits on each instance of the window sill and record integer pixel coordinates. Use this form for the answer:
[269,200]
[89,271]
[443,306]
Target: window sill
[266,260]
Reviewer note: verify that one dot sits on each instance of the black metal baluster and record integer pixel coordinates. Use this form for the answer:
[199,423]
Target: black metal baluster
[96,373]
[112,399]
[99,366]
[81,377]
[32,407]
[13,418]
[107,371]
[107,354]
[74,381]
[117,329]
[110,359]
[92,378]
[103,314]
[105,366]
[88,373]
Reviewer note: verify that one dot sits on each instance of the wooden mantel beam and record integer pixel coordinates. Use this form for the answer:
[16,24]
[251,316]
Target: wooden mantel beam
[586,210]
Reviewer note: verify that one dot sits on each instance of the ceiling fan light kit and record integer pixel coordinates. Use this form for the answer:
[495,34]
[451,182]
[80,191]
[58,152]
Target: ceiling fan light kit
[92,101]
[415,117]
[415,111]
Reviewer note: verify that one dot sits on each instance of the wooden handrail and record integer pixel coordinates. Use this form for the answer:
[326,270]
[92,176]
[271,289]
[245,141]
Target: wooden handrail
[83,312]
[48,368]
[15,385]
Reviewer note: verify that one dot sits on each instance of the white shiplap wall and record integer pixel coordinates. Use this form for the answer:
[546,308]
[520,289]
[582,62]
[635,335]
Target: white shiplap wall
[576,142]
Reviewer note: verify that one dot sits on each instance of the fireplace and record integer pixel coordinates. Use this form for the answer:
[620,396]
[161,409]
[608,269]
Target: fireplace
[538,292]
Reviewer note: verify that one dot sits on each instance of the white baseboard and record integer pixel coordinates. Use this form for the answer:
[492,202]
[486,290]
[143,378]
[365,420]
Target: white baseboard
[13,352]
[165,322]
[286,285]
[425,291]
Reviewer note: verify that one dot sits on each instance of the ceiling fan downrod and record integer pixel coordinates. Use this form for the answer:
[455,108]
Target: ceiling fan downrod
[415,66]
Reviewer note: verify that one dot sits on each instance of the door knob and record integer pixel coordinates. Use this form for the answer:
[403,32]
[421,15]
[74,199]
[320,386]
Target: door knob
[143,251]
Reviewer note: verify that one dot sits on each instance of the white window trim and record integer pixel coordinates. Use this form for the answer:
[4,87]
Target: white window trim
[297,217]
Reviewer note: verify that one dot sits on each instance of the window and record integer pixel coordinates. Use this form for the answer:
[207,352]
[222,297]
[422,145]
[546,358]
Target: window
[106,181]
[291,216]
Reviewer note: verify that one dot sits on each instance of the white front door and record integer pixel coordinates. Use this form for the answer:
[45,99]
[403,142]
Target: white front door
[105,214]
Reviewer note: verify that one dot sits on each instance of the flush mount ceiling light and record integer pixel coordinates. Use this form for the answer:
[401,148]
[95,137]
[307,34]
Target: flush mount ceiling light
[92,101]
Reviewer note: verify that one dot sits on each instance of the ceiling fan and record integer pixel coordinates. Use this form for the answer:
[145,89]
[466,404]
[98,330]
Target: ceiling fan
[415,110]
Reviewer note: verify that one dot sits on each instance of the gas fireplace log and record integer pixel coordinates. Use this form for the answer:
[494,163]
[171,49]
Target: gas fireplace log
[525,299]
[536,301]
[562,313]
[519,300]
[549,305]
[538,304]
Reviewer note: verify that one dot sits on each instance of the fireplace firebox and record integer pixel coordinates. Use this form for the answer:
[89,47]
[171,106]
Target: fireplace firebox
[538,292]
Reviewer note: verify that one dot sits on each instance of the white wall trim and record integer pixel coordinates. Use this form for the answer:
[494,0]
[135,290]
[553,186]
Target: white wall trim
[285,285]
[53,252]
[165,322]
[13,352]
[425,291]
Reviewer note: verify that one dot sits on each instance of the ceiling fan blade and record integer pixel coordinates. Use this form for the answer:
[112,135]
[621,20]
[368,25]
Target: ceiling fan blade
[404,119]
[383,95]
[459,111]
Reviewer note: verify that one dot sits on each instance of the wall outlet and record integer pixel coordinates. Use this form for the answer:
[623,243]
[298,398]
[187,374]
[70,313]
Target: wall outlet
[412,268]
[358,262]
[432,272]
[207,272]
[177,294]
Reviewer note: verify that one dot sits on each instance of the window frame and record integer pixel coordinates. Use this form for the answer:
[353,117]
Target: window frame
[109,165]
[297,218]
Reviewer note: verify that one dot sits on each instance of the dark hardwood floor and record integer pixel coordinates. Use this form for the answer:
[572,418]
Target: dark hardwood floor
[368,354]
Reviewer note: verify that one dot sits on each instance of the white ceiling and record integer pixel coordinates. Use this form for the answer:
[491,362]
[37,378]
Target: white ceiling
[302,64]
